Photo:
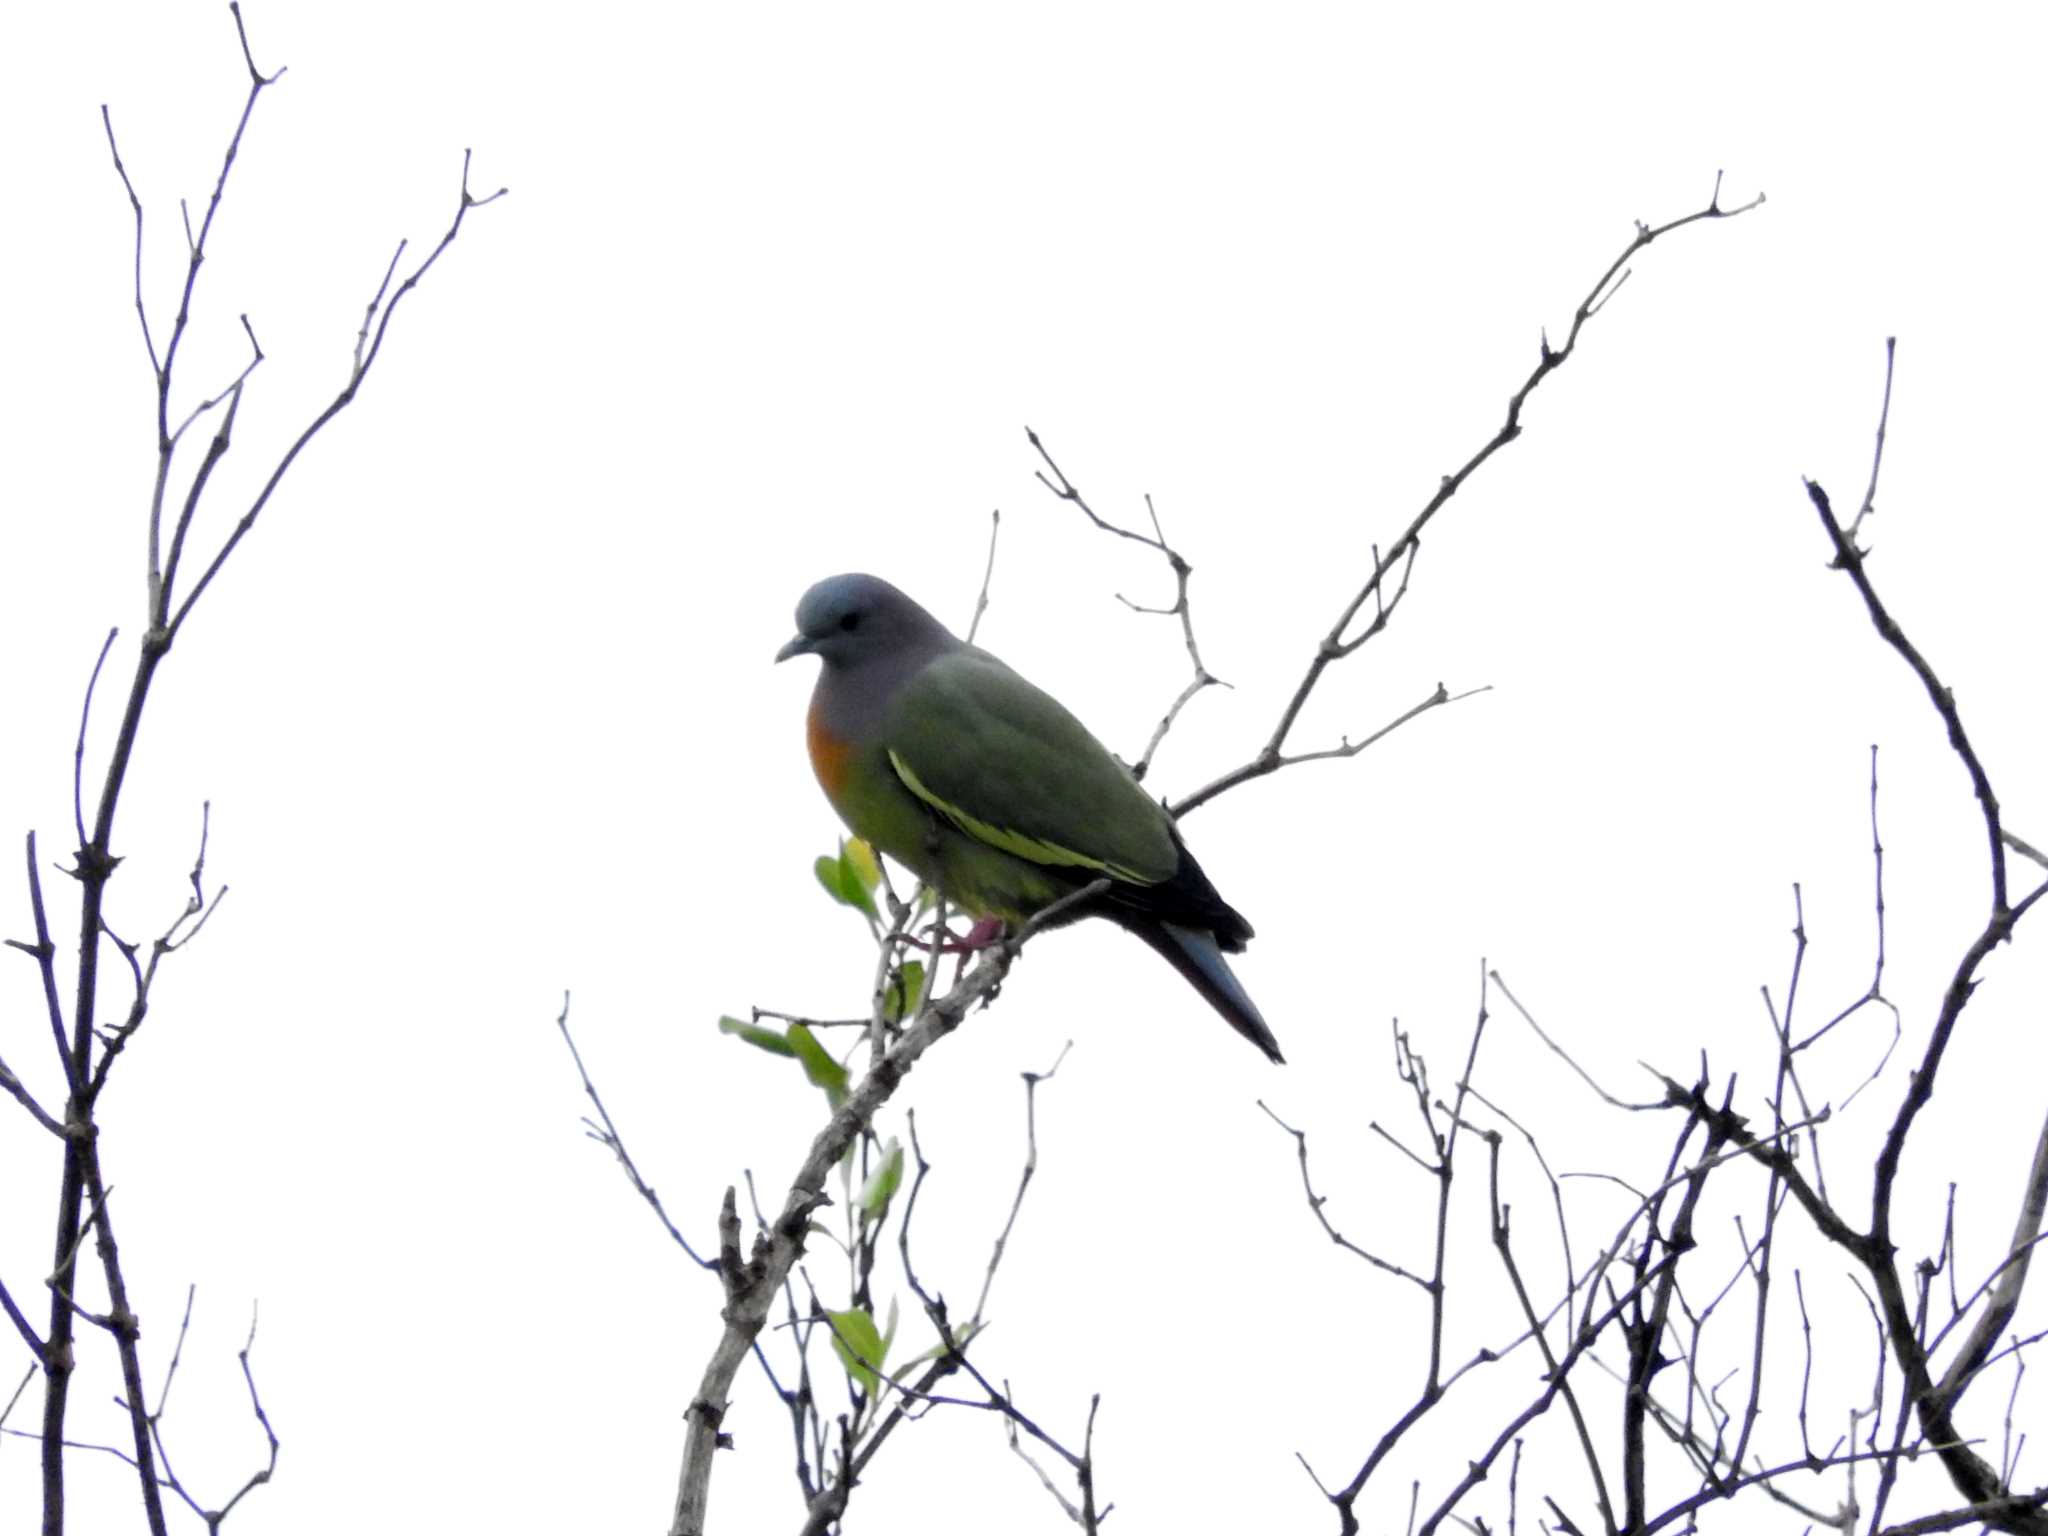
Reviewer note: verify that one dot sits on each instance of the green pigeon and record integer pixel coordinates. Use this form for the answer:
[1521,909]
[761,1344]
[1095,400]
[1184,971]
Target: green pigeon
[989,790]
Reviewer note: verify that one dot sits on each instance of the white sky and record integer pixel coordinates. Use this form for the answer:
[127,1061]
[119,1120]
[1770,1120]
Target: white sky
[484,707]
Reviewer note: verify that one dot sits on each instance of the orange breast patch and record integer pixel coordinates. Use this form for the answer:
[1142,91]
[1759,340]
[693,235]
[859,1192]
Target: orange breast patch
[831,757]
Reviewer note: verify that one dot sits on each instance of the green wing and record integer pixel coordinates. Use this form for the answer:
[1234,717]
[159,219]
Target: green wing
[1008,765]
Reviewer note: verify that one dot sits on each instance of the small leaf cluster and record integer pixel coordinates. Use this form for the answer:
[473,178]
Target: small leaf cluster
[851,877]
[819,1065]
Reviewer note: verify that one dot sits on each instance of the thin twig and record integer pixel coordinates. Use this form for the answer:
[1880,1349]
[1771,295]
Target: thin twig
[1561,1053]
[995,527]
[369,347]
[606,1135]
[1024,1178]
[2010,1280]
[1317,1204]
[1399,557]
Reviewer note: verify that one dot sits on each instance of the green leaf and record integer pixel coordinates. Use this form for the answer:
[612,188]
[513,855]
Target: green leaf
[819,1066]
[770,1040]
[827,871]
[858,1343]
[859,856]
[882,1183]
[850,876]
[904,990]
[854,884]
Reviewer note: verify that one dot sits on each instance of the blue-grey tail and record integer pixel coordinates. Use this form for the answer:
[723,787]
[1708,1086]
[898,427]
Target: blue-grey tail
[1195,954]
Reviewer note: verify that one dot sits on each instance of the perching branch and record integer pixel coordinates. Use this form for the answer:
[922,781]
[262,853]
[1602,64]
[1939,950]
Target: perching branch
[751,1284]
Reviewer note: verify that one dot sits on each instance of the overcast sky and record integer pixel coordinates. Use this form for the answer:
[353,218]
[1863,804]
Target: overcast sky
[484,707]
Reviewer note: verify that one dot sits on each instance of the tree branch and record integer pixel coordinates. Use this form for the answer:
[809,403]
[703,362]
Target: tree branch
[751,1285]
[1399,557]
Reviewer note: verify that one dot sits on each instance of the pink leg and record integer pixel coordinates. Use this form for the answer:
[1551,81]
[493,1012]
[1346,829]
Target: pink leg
[986,931]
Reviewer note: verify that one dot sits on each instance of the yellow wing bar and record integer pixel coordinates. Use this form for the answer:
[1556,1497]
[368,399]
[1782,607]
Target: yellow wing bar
[1034,849]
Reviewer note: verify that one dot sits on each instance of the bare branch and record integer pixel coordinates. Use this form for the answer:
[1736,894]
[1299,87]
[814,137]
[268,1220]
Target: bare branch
[1990,1512]
[1399,557]
[2011,1280]
[44,952]
[1201,677]
[995,528]
[24,1327]
[96,861]
[197,910]
[264,1473]
[383,311]
[78,747]
[1561,1053]
[121,1322]
[606,1135]
[1316,1204]
[826,1505]
[1030,1171]
[1884,416]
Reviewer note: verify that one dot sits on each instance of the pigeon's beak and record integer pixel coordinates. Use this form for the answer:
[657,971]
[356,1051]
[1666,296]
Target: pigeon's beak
[799,645]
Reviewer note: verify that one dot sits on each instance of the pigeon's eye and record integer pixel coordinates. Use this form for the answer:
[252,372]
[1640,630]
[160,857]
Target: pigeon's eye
[849,621]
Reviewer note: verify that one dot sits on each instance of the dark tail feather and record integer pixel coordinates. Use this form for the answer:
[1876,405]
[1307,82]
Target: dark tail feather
[1195,954]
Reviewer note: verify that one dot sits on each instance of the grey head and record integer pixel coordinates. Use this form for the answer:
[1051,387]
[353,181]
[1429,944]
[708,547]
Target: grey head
[855,618]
